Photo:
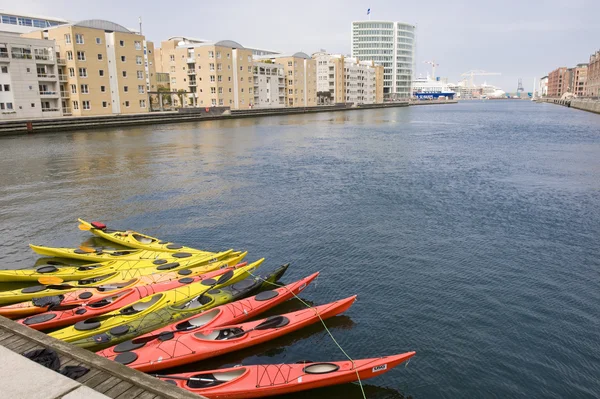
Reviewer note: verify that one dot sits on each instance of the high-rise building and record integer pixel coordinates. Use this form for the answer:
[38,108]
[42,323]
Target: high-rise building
[300,77]
[346,80]
[101,66]
[593,76]
[18,23]
[29,83]
[392,45]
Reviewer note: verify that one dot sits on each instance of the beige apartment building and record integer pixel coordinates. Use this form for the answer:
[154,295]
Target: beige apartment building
[104,68]
[300,72]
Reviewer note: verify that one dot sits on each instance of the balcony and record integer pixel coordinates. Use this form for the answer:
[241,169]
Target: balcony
[191,60]
[22,56]
[44,59]
[3,55]
[191,72]
[65,94]
[62,77]
[61,61]
[67,111]
[48,94]
[46,76]
[192,84]
[50,109]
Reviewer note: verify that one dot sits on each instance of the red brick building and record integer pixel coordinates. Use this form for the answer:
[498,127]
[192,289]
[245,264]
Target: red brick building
[558,80]
[593,76]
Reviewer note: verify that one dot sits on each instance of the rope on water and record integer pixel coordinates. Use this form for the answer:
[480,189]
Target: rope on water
[324,325]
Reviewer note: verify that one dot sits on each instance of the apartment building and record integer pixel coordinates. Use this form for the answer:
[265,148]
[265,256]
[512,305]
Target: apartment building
[269,85]
[29,86]
[543,87]
[593,76]
[343,79]
[392,45]
[300,72]
[578,79]
[558,81]
[102,67]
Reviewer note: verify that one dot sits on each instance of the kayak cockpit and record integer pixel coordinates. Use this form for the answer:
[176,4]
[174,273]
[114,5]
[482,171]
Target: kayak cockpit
[117,286]
[198,302]
[141,306]
[217,378]
[107,301]
[198,321]
[142,239]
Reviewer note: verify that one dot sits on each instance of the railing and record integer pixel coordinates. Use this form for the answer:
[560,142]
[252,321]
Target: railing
[22,56]
[3,55]
[64,94]
[191,60]
[47,93]
[49,109]
[191,72]
[66,111]
[62,77]
[46,76]
[61,61]
[42,57]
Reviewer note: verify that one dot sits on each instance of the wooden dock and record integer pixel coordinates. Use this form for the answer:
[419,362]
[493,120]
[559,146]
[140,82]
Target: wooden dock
[106,378]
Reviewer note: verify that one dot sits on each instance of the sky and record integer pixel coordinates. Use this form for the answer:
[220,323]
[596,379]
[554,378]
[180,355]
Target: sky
[519,39]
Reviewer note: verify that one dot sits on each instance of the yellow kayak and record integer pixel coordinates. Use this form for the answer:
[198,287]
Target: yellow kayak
[144,310]
[70,273]
[133,239]
[105,255]
[126,277]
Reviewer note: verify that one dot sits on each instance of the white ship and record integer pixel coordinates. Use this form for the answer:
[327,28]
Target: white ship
[430,89]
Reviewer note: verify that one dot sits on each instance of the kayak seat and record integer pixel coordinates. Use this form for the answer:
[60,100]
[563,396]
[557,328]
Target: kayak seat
[198,302]
[198,321]
[89,267]
[141,306]
[220,335]
[210,380]
[142,240]
[107,301]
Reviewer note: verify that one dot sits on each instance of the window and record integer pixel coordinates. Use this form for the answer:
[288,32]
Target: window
[140,74]
[137,45]
[211,54]
[83,72]
[98,40]
[1,105]
[242,79]
[290,73]
[220,90]
[173,81]
[9,105]
[125,89]
[228,55]
[172,58]
[124,74]
[104,104]
[86,104]
[213,102]
[290,91]
[127,104]
[69,55]
[75,104]
[74,89]
[6,87]
[4,69]
[211,67]
[172,69]
[142,103]
[84,89]
[138,60]
[121,43]
[79,38]
[67,38]
[103,88]
[219,67]
[220,78]
[99,57]
[213,90]
[212,78]
[229,78]
[241,68]
[81,55]
[230,89]
[242,89]
[289,63]
[249,68]
[249,58]
[220,101]
[290,82]
[71,72]
[101,72]
[122,58]
[141,89]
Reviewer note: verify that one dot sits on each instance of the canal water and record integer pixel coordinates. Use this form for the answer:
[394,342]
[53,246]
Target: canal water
[470,232]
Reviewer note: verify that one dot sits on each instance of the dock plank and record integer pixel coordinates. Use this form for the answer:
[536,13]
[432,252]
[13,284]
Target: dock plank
[107,385]
[97,380]
[131,393]
[118,389]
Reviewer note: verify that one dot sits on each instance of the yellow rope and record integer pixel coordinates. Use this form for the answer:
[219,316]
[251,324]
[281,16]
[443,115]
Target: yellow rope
[324,325]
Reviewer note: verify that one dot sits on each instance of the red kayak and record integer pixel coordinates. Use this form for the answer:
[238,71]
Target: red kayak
[179,349]
[243,382]
[110,301]
[228,314]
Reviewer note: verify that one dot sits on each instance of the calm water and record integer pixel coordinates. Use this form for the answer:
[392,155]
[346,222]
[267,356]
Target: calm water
[470,232]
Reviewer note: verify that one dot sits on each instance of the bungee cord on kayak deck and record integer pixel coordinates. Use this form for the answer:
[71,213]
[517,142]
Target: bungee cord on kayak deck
[326,329]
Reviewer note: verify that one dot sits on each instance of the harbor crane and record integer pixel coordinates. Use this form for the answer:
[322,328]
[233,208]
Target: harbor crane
[475,72]
[433,65]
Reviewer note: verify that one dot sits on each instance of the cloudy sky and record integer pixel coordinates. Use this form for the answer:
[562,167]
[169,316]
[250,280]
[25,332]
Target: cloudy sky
[520,39]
